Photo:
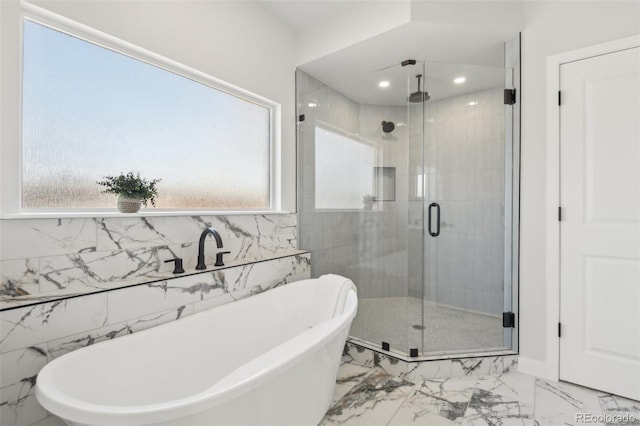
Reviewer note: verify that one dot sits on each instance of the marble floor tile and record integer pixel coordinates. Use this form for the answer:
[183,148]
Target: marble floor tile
[373,401]
[560,403]
[51,420]
[436,402]
[349,375]
[613,405]
[369,396]
[507,399]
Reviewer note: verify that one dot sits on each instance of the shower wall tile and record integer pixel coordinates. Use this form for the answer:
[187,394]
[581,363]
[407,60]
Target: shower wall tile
[31,336]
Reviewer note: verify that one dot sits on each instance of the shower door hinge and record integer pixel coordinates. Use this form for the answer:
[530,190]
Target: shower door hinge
[559,330]
[559,214]
[509,96]
[301,117]
[559,98]
[508,319]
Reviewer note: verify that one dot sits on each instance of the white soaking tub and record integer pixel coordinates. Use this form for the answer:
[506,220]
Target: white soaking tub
[270,359]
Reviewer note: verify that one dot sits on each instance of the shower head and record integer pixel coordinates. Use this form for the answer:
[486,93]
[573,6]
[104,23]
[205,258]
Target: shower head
[388,126]
[419,96]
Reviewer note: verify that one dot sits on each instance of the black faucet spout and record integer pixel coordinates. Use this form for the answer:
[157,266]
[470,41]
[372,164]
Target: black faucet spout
[208,231]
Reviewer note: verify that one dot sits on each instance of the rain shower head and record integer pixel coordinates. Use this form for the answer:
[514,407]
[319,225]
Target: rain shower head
[419,96]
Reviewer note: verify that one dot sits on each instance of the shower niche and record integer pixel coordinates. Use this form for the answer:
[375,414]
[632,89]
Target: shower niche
[408,185]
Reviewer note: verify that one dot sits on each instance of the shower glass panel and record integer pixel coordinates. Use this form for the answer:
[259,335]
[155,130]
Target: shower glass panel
[464,246]
[405,183]
[360,197]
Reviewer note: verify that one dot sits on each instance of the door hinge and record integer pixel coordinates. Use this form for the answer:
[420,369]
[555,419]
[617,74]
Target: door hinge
[508,319]
[301,117]
[559,330]
[509,96]
[559,97]
[559,214]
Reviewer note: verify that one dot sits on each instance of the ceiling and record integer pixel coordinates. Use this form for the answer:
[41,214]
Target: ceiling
[301,14]
[451,49]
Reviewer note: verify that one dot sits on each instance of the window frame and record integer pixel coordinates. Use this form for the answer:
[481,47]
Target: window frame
[11,149]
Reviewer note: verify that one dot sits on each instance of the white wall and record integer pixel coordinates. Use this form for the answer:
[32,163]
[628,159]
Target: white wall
[550,28]
[235,41]
[358,22]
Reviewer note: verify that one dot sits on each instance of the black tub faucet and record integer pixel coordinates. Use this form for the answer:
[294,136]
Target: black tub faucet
[210,230]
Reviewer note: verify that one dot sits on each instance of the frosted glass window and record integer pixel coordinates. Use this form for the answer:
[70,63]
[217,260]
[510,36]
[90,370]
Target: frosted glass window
[344,171]
[89,112]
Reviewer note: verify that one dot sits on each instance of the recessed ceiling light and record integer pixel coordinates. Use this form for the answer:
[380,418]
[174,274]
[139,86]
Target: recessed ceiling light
[383,84]
[459,80]
[312,104]
[472,103]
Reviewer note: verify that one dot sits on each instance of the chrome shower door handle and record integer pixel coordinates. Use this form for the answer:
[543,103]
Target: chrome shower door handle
[437,206]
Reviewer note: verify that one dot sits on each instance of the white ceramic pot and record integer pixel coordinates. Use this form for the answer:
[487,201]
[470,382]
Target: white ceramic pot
[129,205]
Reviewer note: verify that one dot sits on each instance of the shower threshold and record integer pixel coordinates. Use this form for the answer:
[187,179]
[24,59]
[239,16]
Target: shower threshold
[432,366]
[432,356]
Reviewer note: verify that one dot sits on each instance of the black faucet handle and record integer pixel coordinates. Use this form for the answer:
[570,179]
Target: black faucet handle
[219,255]
[177,265]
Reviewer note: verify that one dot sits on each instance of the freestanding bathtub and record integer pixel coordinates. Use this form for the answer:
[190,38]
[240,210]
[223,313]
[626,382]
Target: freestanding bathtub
[270,359]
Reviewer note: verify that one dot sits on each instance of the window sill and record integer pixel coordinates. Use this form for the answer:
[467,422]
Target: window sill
[142,213]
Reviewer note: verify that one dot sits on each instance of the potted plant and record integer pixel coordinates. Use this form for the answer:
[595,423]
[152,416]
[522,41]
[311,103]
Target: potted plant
[132,190]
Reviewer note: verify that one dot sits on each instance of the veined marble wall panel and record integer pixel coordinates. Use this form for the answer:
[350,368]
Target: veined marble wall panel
[23,239]
[30,325]
[44,259]
[31,336]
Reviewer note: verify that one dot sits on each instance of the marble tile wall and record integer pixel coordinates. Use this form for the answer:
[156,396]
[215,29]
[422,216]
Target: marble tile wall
[44,259]
[31,336]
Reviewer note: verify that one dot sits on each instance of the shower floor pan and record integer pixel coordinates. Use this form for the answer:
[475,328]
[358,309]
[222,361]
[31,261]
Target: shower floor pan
[447,331]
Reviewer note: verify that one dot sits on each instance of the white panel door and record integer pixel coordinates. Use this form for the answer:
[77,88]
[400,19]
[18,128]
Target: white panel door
[600,227]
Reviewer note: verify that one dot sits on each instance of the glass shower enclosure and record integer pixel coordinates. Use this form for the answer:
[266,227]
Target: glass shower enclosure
[405,187]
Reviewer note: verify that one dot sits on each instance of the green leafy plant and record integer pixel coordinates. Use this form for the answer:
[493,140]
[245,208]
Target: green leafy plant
[131,185]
